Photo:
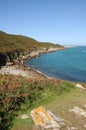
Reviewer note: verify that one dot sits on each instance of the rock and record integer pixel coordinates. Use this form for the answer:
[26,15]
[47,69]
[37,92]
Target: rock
[79,86]
[72,128]
[85,126]
[85,105]
[24,116]
[78,111]
[46,120]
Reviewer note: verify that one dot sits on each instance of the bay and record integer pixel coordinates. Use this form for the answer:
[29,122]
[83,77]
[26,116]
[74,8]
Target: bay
[69,64]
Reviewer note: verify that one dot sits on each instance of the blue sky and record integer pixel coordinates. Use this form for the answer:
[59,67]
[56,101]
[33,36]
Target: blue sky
[57,21]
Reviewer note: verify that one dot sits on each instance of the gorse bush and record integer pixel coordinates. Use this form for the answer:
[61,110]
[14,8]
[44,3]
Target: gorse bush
[19,94]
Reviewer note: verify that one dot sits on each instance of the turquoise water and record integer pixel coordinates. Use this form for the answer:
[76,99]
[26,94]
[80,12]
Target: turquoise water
[67,64]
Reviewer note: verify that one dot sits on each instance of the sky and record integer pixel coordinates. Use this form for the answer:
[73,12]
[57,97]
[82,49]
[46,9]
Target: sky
[57,21]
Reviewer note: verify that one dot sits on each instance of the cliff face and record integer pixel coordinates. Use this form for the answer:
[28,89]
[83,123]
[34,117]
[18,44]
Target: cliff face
[3,59]
[13,47]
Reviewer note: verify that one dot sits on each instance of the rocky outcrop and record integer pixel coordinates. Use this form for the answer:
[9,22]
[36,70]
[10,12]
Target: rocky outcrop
[18,57]
[3,59]
[46,120]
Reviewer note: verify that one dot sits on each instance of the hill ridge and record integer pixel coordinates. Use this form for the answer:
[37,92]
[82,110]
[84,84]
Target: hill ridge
[11,42]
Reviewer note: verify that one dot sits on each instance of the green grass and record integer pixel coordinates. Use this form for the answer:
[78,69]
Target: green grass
[22,124]
[60,105]
[64,102]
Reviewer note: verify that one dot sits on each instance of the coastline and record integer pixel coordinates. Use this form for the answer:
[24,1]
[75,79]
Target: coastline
[25,70]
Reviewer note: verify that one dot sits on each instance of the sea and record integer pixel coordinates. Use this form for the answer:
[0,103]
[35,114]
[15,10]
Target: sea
[69,64]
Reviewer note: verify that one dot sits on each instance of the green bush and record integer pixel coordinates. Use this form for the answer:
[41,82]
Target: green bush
[19,94]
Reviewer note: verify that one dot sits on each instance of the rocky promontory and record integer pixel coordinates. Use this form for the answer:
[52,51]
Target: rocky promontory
[17,48]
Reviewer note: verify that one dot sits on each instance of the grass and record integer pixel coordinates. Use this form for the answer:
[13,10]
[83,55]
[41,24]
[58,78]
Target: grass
[22,124]
[20,95]
[60,105]
[64,102]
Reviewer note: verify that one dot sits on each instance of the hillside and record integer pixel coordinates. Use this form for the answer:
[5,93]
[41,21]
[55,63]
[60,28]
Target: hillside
[10,43]
[14,46]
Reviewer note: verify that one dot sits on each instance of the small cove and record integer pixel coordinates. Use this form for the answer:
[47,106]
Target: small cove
[67,64]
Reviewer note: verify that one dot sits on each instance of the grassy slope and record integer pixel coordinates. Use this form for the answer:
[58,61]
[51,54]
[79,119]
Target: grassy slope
[63,103]
[60,105]
[10,42]
[19,95]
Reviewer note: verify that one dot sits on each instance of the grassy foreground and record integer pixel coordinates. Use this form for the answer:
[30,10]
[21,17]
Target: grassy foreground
[60,105]
[20,95]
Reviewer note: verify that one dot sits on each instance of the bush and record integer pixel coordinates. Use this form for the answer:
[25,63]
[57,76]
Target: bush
[18,93]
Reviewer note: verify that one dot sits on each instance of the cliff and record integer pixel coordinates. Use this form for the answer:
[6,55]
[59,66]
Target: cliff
[13,47]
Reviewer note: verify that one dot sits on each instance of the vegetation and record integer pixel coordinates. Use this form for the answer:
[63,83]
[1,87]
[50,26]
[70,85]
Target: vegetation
[9,43]
[60,106]
[14,46]
[22,94]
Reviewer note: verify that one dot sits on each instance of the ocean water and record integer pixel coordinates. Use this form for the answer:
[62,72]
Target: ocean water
[67,64]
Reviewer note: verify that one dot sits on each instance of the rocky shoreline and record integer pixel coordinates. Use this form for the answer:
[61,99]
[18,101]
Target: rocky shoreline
[22,71]
[18,66]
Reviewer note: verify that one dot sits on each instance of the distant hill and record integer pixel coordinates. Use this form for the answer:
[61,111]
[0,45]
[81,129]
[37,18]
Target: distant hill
[9,43]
